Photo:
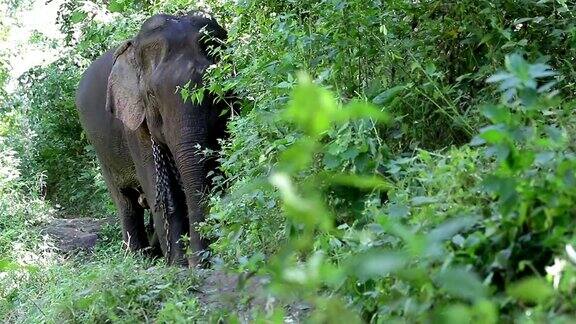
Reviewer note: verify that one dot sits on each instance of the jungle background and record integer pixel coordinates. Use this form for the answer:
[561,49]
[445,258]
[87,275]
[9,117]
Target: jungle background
[393,161]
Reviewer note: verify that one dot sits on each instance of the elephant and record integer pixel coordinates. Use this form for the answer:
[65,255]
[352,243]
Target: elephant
[148,139]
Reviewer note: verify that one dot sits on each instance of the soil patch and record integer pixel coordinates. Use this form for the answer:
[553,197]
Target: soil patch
[79,234]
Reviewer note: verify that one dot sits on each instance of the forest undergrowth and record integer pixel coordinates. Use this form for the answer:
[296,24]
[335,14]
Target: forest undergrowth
[393,161]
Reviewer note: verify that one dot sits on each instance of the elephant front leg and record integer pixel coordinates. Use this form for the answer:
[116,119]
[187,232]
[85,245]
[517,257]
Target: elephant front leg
[170,221]
[197,244]
[169,230]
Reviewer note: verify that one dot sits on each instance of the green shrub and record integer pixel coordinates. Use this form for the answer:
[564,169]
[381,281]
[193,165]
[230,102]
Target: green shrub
[460,234]
[444,218]
[59,151]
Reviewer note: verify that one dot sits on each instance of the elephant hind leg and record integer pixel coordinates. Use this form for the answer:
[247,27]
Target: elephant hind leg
[154,250]
[131,214]
[132,219]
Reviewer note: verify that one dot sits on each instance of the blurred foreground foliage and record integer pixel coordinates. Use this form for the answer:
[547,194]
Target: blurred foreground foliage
[420,170]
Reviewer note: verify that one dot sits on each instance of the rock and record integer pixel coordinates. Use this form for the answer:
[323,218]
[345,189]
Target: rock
[75,234]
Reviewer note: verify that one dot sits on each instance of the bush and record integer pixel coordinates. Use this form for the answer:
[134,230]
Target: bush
[417,224]
[459,234]
[59,150]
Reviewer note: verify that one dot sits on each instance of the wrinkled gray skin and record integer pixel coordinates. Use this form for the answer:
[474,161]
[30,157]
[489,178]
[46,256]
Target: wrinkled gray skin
[127,96]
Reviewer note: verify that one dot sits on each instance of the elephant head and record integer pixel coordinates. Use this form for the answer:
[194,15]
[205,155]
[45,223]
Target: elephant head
[168,53]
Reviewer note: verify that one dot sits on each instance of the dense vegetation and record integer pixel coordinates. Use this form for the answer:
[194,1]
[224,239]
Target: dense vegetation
[392,161]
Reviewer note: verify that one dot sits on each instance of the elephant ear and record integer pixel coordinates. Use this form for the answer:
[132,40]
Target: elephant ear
[124,96]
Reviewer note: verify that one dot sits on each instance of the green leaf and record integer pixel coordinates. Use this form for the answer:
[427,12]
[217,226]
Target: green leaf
[540,70]
[504,187]
[421,201]
[497,113]
[377,263]
[450,228]
[494,134]
[477,141]
[358,181]
[500,151]
[499,77]
[387,96]
[360,109]
[331,161]
[6,265]
[531,290]
[78,16]
[461,283]
[350,153]
[544,158]
[185,93]
[516,64]
[298,156]
[311,107]
[116,6]
[455,314]
[284,85]
[308,211]
[398,210]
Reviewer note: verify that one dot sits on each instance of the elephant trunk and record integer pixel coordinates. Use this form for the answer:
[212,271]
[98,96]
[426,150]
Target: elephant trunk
[192,167]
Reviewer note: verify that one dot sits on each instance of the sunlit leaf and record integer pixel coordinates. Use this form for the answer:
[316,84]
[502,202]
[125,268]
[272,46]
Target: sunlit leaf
[116,6]
[6,265]
[455,314]
[312,108]
[309,211]
[494,134]
[78,16]
[359,109]
[358,181]
[298,156]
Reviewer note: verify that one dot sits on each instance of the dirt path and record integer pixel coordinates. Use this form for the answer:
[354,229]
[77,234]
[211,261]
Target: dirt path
[75,234]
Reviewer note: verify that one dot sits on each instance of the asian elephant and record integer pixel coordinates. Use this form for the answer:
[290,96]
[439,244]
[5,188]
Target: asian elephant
[147,138]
